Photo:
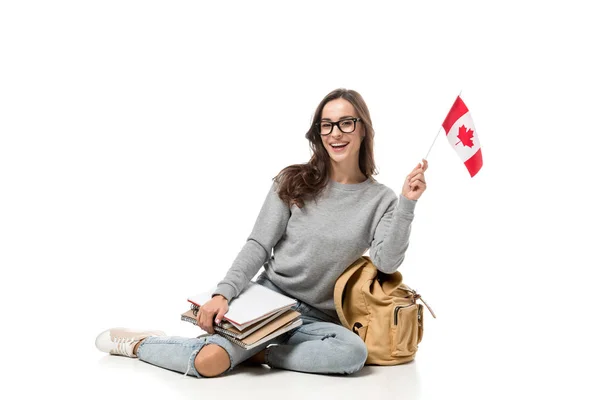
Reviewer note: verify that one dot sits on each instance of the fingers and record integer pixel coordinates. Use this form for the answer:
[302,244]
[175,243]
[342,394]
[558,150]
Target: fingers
[200,320]
[212,312]
[421,166]
[415,172]
[419,170]
[420,177]
[418,187]
[220,315]
[205,320]
[417,184]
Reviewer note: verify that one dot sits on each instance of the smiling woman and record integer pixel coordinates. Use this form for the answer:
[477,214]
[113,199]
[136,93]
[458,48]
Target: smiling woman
[304,245]
[343,149]
[341,118]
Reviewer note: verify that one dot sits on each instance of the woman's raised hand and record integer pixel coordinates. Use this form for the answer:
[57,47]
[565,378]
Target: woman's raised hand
[414,184]
[206,314]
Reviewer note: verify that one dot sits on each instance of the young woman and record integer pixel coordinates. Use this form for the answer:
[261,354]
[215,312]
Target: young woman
[317,219]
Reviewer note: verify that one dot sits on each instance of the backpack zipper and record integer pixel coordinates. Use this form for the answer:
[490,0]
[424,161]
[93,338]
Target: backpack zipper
[396,313]
[419,314]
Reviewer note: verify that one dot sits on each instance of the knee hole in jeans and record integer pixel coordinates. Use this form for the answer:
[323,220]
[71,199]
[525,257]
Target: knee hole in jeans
[212,360]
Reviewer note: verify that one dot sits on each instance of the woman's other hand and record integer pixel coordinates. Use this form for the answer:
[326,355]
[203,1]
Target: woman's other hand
[414,184]
[217,306]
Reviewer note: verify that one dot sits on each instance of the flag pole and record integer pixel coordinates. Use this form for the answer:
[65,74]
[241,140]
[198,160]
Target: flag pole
[437,134]
[434,139]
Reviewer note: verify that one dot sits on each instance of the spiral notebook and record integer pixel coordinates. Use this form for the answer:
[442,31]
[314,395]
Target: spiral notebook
[254,336]
[255,316]
[227,328]
[256,302]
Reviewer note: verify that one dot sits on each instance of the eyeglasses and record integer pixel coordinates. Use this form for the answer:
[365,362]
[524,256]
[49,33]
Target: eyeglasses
[346,125]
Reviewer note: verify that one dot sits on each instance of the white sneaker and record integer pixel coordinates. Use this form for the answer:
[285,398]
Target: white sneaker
[121,341]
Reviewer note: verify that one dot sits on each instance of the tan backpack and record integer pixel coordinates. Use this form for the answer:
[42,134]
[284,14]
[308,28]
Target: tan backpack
[382,310]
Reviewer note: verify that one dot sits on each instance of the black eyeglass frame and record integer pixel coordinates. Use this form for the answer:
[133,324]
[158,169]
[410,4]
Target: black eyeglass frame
[354,119]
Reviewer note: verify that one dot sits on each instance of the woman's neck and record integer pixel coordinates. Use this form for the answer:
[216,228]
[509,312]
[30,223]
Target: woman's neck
[348,178]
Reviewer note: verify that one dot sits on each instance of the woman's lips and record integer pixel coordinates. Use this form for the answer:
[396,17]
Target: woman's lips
[339,149]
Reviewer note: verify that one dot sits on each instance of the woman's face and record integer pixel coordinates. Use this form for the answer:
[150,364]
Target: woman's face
[334,111]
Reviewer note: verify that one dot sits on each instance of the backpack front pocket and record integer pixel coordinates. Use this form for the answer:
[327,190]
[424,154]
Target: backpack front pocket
[405,333]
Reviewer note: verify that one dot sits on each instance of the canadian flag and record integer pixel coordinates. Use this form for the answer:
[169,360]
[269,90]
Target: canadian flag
[462,136]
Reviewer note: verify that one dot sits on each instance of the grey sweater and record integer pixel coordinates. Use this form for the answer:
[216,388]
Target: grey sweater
[304,250]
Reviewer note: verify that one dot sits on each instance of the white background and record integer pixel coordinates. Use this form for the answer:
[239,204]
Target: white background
[138,141]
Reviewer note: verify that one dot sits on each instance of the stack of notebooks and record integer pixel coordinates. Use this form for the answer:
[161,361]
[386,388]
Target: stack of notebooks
[257,315]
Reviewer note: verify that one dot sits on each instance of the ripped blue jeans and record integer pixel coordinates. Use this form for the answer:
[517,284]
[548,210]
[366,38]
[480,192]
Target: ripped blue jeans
[320,345]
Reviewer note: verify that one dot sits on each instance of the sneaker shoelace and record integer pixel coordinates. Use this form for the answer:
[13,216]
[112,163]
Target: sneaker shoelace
[124,346]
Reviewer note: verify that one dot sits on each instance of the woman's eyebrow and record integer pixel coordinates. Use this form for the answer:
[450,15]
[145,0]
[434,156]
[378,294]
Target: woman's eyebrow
[345,116]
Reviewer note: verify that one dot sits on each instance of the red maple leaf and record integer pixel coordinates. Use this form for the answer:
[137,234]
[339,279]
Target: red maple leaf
[465,136]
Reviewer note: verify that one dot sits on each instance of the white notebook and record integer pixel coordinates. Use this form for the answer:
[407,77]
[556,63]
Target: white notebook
[252,304]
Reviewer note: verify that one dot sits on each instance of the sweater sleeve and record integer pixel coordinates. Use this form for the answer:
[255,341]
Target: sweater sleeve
[392,233]
[268,230]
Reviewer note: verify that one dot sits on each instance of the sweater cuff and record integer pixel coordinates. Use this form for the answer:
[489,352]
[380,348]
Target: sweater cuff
[225,290]
[406,205]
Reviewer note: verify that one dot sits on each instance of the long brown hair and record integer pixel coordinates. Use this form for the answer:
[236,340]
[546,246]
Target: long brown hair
[299,182]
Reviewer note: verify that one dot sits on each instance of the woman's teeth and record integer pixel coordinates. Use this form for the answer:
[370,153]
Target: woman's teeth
[339,148]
